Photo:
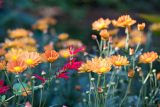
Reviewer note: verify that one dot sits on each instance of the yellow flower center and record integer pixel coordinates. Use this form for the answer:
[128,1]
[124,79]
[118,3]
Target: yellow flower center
[66,55]
[118,63]
[29,61]
[14,57]
[148,59]
[103,69]
[17,68]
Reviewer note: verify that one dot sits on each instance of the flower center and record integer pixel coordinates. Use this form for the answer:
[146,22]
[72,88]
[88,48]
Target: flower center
[148,59]
[29,61]
[103,69]
[17,68]
[14,57]
[118,63]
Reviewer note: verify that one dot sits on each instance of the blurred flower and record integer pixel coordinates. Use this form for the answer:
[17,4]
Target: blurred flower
[24,93]
[48,46]
[2,52]
[113,32]
[100,24]
[32,59]
[27,41]
[28,104]
[74,51]
[13,44]
[18,33]
[155,27]
[131,73]
[43,24]
[124,21]
[65,53]
[141,26]
[40,78]
[131,51]
[70,42]
[100,90]
[148,57]
[51,55]
[13,54]
[97,65]
[63,36]
[2,64]
[63,75]
[119,60]
[104,34]
[119,42]
[158,76]
[3,89]
[16,66]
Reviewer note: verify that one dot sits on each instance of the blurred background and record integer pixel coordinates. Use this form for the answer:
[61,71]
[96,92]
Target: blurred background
[73,16]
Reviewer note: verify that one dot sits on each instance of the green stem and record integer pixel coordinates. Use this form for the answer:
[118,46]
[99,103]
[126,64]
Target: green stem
[10,98]
[125,96]
[8,78]
[40,98]
[32,92]
[127,38]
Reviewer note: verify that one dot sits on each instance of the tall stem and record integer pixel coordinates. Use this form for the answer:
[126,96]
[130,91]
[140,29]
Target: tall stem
[127,38]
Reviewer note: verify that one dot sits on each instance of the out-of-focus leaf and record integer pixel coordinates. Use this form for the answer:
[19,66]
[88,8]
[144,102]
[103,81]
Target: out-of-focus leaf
[18,88]
[151,17]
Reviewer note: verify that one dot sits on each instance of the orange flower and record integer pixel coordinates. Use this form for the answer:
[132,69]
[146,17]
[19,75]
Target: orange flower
[100,24]
[13,44]
[124,21]
[119,61]
[43,24]
[148,57]
[104,34]
[32,59]
[2,52]
[51,55]
[24,93]
[13,54]
[119,42]
[97,65]
[27,41]
[17,66]
[141,26]
[131,73]
[158,76]
[2,64]
[63,36]
[18,33]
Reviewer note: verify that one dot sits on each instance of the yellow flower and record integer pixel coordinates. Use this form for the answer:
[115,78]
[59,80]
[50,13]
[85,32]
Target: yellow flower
[65,53]
[141,26]
[97,65]
[2,64]
[63,36]
[100,24]
[27,41]
[155,27]
[119,42]
[32,59]
[124,21]
[16,67]
[18,33]
[13,44]
[104,34]
[13,54]
[148,57]
[119,61]
[113,32]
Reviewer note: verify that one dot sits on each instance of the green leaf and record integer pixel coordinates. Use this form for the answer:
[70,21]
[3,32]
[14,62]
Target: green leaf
[3,98]
[151,17]
[18,88]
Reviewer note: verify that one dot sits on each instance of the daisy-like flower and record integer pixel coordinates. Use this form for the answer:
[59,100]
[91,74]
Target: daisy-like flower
[155,27]
[63,36]
[104,34]
[3,88]
[18,33]
[51,55]
[100,24]
[13,44]
[119,60]
[97,65]
[2,64]
[28,41]
[141,26]
[2,52]
[148,57]
[48,46]
[13,54]
[17,66]
[32,59]
[124,21]
[119,42]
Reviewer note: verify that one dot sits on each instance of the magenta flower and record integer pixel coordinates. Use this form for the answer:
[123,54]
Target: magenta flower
[73,51]
[40,78]
[3,89]
[63,75]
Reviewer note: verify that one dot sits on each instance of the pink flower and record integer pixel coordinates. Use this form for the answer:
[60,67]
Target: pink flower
[3,89]
[28,104]
[40,78]
[63,75]
[73,51]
